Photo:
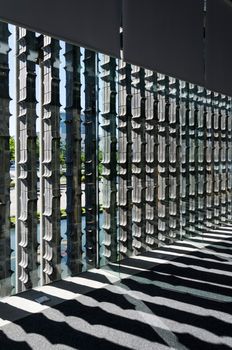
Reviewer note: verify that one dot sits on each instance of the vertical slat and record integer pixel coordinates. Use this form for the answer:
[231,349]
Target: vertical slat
[109,161]
[184,156]
[73,158]
[5,251]
[223,158]
[216,162]
[138,159]
[229,162]
[174,160]
[163,158]
[201,159]
[50,157]
[226,150]
[219,167]
[192,160]
[151,159]
[26,160]
[209,160]
[124,159]
[90,157]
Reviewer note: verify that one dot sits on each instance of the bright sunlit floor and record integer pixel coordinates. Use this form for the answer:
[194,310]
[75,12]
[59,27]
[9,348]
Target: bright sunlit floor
[176,297]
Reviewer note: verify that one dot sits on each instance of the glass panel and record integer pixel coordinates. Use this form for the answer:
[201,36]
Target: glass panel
[101,161]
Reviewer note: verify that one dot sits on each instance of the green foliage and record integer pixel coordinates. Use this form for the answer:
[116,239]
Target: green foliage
[100,166]
[63,150]
[12,148]
[62,153]
[12,221]
[37,148]
[63,214]
[82,157]
[12,184]
[100,156]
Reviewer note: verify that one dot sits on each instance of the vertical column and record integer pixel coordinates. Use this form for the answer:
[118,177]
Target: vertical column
[138,159]
[192,159]
[151,159]
[50,162]
[124,159]
[209,159]
[229,161]
[216,160]
[90,156]
[201,158]
[184,168]
[26,161]
[219,169]
[223,158]
[109,158]
[174,159]
[73,158]
[5,251]
[163,157]
[226,150]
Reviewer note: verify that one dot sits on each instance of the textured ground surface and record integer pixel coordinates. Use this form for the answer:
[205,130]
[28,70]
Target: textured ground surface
[177,297]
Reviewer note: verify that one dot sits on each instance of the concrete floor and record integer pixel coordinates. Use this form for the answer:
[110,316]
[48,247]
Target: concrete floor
[176,297]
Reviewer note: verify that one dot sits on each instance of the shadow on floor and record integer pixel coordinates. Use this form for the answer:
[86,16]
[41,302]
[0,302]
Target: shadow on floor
[177,297]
